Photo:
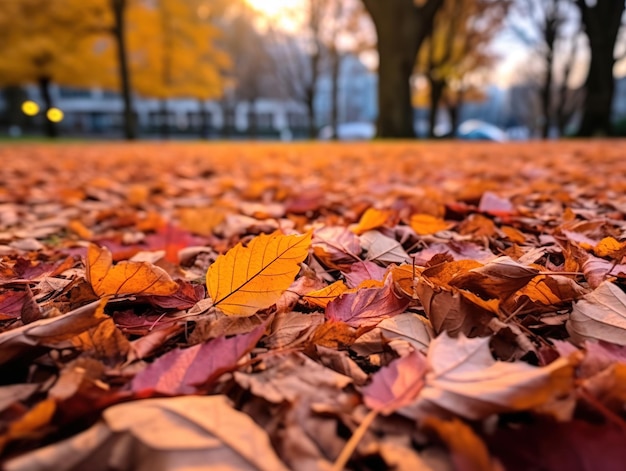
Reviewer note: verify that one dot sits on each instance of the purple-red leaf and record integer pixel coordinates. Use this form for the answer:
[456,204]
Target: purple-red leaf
[397,384]
[367,307]
[188,370]
[363,271]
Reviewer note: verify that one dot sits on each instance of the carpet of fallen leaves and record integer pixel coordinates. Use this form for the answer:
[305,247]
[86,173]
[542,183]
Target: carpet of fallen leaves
[364,306]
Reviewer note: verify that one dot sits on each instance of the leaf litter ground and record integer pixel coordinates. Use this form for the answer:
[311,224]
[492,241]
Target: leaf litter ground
[426,306]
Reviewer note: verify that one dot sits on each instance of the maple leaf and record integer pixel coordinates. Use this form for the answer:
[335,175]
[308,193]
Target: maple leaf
[187,370]
[250,278]
[600,315]
[126,277]
[367,307]
[463,378]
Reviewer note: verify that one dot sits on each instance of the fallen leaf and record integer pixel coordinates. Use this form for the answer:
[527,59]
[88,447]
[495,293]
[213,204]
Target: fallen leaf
[363,271]
[372,218]
[396,385]
[30,424]
[160,435]
[425,224]
[609,247]
[11,303]
[498,278]
[600,315]
[250,278]
[322,297]
[464,379]
[126,277]
[383,249]
[367,307]
[292,378]
[549,446]
[188,370]
[45,333]
[336,247]
[469,452]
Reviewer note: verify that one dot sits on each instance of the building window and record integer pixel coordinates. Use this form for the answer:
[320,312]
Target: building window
[68,92]
[297,120]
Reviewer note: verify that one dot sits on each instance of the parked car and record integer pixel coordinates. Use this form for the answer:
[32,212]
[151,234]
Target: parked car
[355,131]
[477,130]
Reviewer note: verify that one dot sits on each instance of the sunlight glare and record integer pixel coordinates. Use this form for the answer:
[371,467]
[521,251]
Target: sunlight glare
[287,14]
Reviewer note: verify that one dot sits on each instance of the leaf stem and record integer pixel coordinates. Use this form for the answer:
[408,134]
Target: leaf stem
[356,437]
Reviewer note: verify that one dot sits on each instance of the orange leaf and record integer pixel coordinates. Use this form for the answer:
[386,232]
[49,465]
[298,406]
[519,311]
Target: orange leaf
[371,219]
[322,297]
[126,277]
[425,224]
[609,247]
[247,279]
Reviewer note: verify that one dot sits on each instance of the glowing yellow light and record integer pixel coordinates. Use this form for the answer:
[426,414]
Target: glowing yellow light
[30,108]
[55,115]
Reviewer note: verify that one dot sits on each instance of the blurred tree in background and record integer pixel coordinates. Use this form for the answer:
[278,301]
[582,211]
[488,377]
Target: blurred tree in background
[401,27]
[44,42]
[458,48]
[602,20]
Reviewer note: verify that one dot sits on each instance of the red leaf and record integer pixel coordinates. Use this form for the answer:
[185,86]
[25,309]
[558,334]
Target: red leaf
[363,271]
[185,371]
[172,239]
[186,297]
[397,384]
[367,307]
[572,446]
[11,304]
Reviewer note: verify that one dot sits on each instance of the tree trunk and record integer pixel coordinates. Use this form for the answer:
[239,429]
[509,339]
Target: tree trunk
[436,92]
[602,23]
[334,110]
[51,128]
[253,125]
[310,111]
[204,119]
[165,128]
[119,13]
[546,89]
[401,27]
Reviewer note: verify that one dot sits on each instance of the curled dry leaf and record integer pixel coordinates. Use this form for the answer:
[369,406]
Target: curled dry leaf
[126,277]
[161,434]
[383,249]
[250,278]
[463,378]
[600,315]
[44,333]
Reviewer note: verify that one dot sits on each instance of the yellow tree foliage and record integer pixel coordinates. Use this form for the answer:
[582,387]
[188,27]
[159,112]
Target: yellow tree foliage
[173,50]
[458,47]
[61,41]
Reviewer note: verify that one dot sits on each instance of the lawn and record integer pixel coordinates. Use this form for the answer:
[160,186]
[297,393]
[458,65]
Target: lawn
[263,306]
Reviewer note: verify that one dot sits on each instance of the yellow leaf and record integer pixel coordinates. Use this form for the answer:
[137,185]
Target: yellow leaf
[322,297]
[371,219]
[247,279]
[425,224]
[30,425]
[126,277]
[609,247]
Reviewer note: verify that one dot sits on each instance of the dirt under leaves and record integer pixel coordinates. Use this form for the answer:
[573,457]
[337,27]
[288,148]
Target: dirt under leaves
[429,306]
